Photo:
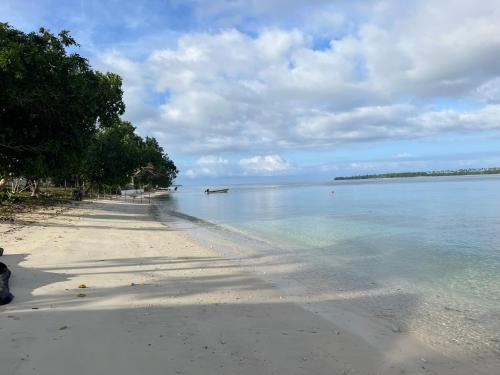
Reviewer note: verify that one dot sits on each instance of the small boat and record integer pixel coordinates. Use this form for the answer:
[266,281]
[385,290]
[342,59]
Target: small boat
[208,191]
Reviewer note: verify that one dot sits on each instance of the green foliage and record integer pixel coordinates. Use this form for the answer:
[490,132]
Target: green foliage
[59,118]
[117,155]
[156,167]
[113,155]
[50,102]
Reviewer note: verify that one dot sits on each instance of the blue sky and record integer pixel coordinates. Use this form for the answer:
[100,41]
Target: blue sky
[296,89]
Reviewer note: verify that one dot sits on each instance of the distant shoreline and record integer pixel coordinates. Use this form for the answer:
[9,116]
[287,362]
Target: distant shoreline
[459,172]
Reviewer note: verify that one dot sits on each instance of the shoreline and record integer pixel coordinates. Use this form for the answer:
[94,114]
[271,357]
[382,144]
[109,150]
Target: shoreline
[370,306]
[158,300]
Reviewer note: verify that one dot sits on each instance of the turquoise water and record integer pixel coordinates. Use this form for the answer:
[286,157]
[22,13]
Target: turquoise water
[423,253]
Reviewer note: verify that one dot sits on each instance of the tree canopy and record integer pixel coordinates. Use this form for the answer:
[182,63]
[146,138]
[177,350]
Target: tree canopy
[59,117]
[117,156]
[156,167]
[113,155]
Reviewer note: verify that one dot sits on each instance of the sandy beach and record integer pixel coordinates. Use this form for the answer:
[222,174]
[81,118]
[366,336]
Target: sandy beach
[159,302]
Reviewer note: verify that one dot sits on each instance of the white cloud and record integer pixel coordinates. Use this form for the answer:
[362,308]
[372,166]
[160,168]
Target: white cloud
[403,155]
[264,165]
[389,166]
[486,118]
[227,91]
[209,166]
[260,165]
[394,122]
[374,165]
[490,91]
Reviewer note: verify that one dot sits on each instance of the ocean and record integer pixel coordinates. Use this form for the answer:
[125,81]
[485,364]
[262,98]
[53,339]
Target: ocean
[422,255]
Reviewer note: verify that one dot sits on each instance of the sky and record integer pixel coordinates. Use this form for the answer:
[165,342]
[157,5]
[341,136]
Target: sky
[294,90]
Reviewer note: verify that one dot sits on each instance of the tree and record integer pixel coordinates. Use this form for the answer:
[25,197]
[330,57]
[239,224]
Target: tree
[113,155]
[117,155]
[59,118]
[156,167]
[51,103]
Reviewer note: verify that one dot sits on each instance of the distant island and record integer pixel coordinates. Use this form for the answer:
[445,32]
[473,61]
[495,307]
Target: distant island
[459,172]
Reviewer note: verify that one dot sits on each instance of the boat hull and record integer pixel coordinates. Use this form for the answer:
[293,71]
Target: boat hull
[216,191]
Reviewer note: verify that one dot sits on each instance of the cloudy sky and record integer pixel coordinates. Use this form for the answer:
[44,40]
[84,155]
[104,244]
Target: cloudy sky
[240,90]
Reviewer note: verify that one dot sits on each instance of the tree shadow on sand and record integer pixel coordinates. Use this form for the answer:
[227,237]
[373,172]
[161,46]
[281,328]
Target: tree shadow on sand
[208,322]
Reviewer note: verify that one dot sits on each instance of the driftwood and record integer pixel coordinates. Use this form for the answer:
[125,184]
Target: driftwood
[5,295]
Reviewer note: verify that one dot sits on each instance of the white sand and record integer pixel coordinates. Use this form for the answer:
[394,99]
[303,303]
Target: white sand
[158,302]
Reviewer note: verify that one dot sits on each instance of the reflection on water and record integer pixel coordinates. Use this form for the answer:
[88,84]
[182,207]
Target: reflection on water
[437,239]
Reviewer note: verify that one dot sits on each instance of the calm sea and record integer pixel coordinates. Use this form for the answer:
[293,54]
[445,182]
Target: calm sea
[421,253]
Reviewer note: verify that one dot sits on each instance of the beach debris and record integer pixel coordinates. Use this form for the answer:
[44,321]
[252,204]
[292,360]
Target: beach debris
[82,286]
[5,295]
[1,251]
[62,328]
[81,295]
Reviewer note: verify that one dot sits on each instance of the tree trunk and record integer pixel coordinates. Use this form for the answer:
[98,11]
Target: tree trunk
[16,182]
[35,188]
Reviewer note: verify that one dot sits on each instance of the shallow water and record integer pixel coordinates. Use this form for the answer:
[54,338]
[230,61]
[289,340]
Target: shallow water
[422,253]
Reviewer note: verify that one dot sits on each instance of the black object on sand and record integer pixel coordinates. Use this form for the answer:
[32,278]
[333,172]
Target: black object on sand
[5,294]
[1,251]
